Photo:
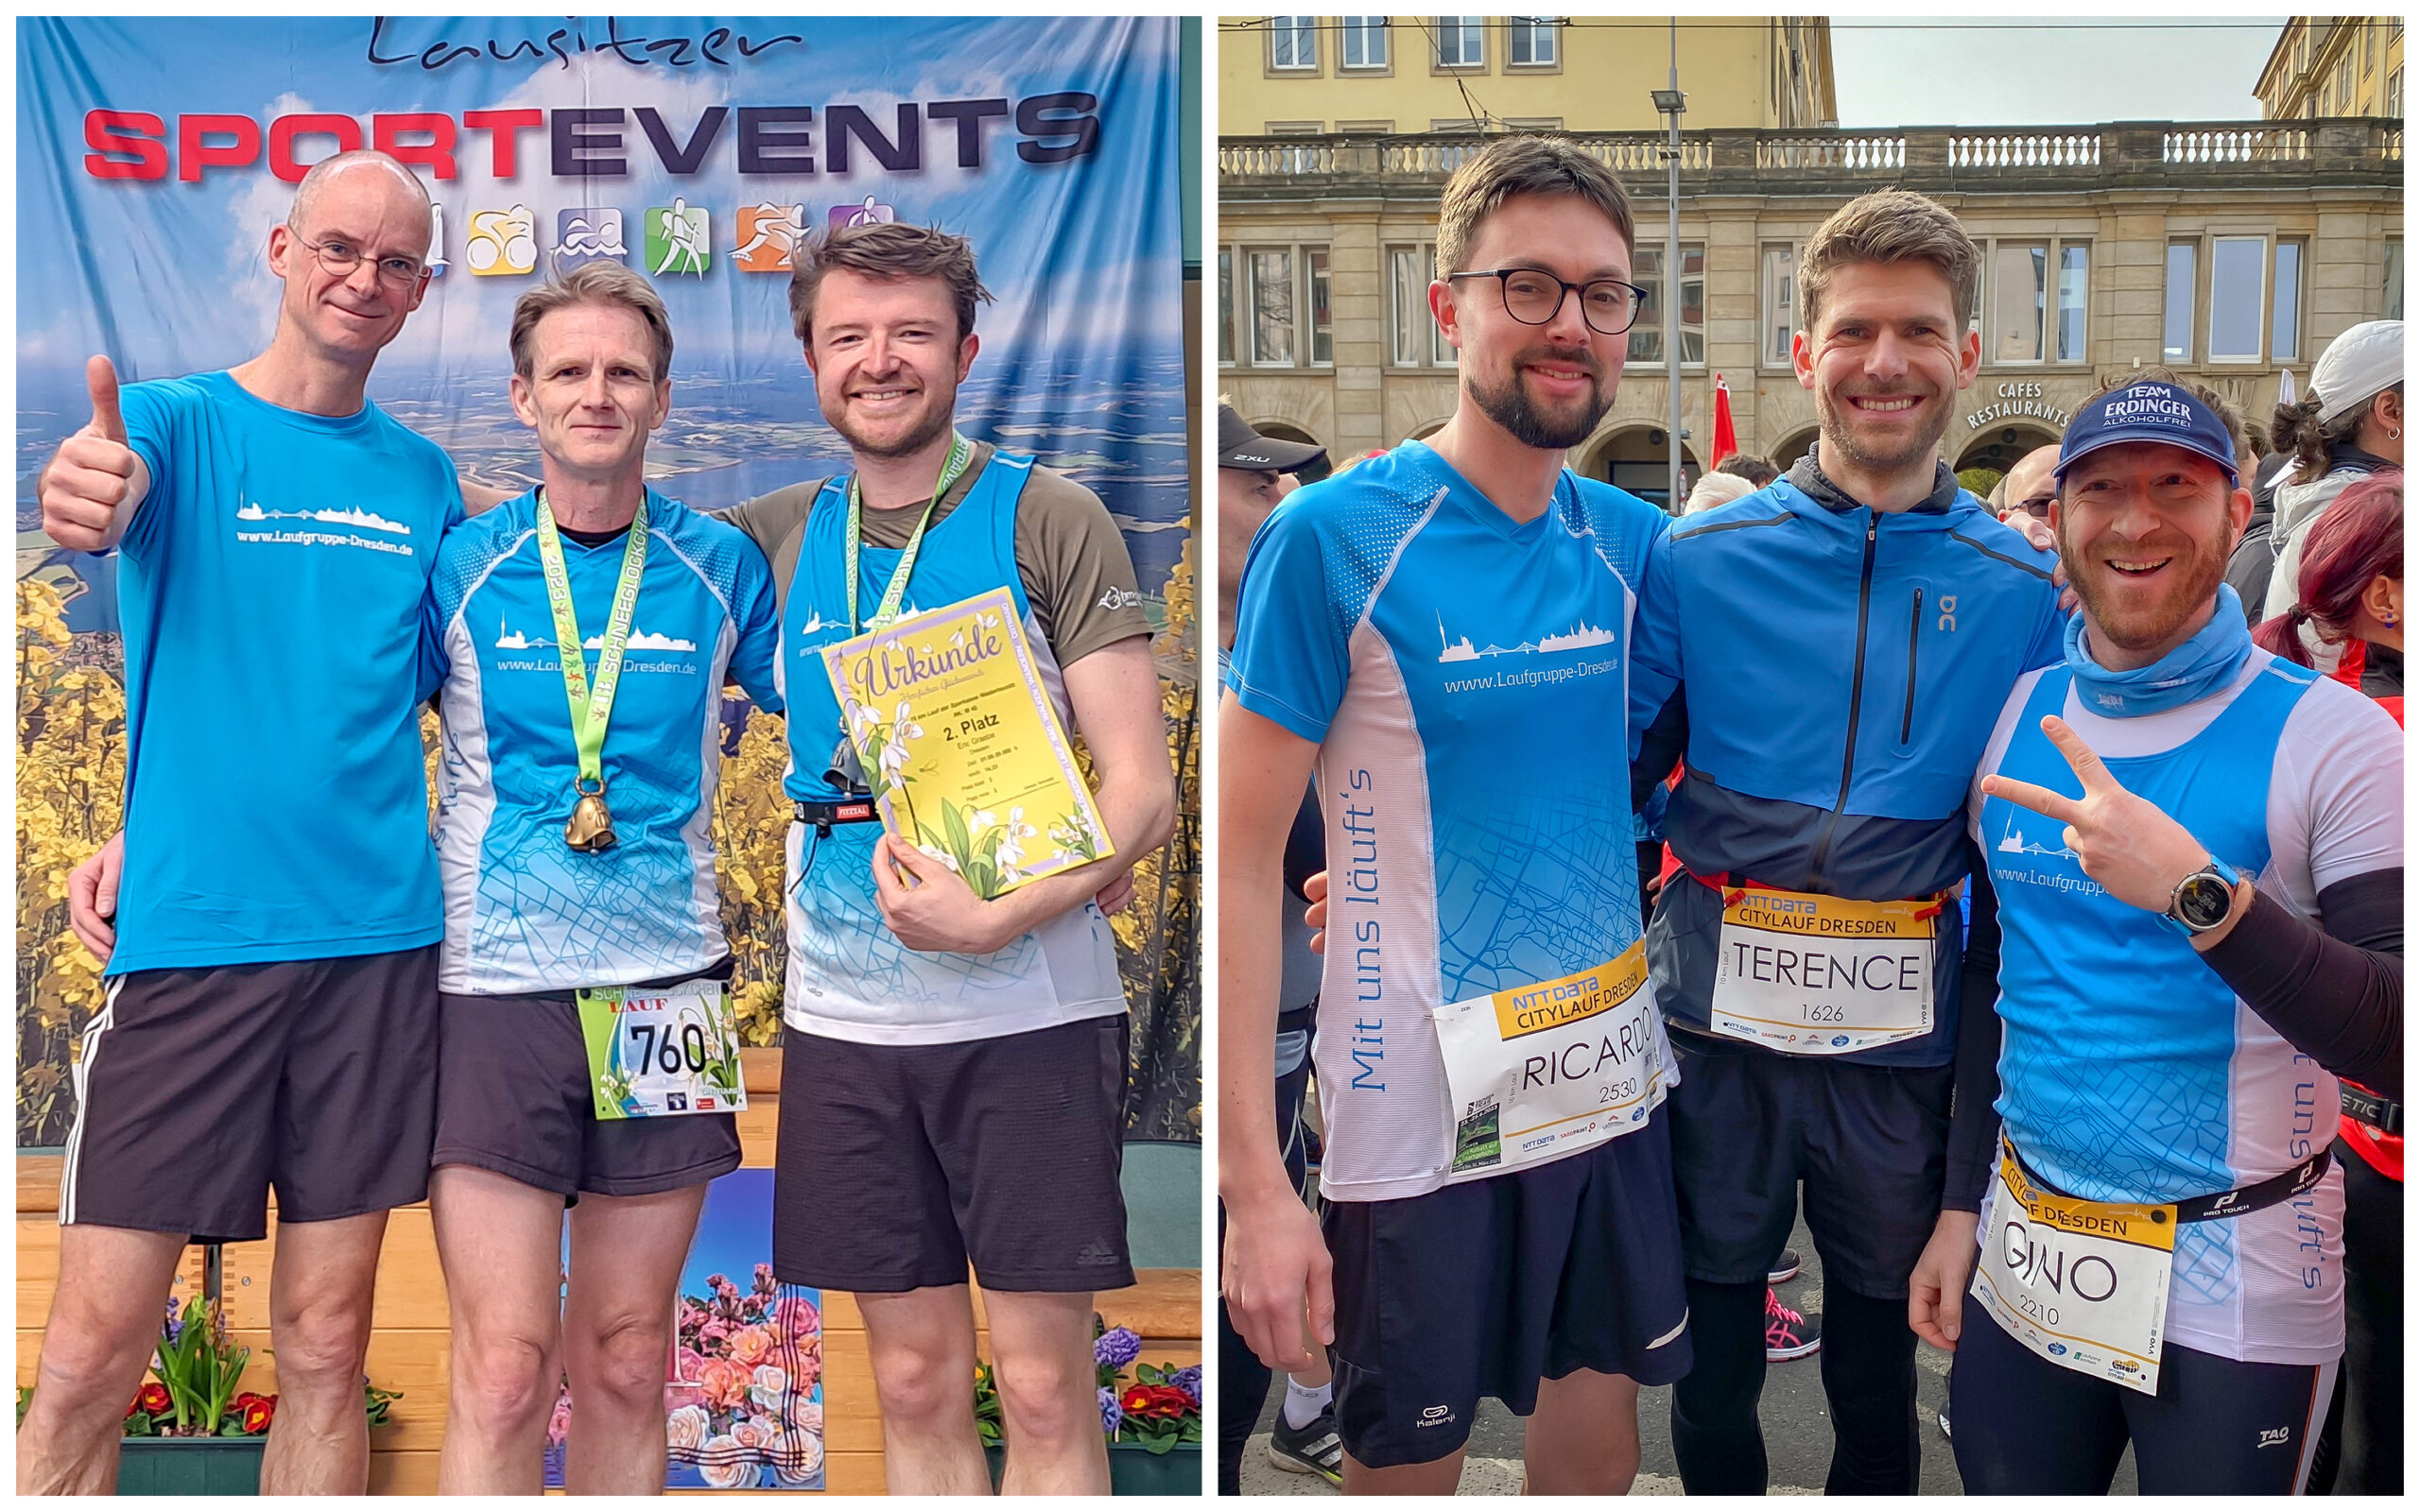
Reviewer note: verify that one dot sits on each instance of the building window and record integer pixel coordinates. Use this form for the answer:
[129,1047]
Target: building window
[2391,297]
[1273,308]
[2075,286]
[1780,304]
[1647,334]
[2286,302]
[1364,41]
[1226,305]
[1414,339]
[2394,94]
[1461,42]
[1293,44]
[2176,342]
[1323,318]
[2237,273]
[1534,42]
[2032,304]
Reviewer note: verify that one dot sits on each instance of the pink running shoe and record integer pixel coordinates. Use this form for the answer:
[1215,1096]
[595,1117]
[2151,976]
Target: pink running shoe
[1790,1335]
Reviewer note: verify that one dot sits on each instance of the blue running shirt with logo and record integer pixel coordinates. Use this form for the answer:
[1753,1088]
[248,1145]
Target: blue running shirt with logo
[2130,1071]
[524,912]
[269,590]
[1470,683]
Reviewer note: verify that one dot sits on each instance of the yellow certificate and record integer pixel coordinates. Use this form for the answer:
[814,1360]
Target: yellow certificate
[962,745]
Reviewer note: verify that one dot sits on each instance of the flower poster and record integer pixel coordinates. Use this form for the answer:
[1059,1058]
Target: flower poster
[743,1396]
[962,745]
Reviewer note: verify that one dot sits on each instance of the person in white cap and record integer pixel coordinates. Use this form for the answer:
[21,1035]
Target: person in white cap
[2350,425]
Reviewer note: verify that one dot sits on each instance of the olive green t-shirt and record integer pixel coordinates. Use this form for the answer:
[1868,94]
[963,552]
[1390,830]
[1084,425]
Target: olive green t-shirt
[1070,557]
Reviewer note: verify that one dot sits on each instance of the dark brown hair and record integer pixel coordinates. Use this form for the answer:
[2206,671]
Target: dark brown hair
[1516,166]
[1890,225]
[886,250]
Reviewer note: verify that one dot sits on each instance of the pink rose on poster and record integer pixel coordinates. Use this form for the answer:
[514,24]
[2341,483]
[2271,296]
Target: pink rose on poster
[808,1417]
[687,1363]
[810,1367]
[714,1333]
[751,1433]
[797,1318]
[750,1345]
[768,1386]
[797,1457]
[686,1427]
[558,1423]
[725,1382]
[724,1464]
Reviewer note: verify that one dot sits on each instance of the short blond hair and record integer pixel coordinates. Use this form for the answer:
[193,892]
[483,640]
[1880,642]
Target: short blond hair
[1890,225]
[1516,166]
[607,284]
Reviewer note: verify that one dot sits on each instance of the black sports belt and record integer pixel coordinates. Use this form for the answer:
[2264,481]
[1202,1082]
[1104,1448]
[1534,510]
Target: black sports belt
[824,815]
[2361,1104]
[2292,1184]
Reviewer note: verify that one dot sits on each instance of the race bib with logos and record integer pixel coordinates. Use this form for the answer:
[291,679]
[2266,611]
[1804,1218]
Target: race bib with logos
[2082,1284]
[1814,975]
[1539,1072]
[656,1051]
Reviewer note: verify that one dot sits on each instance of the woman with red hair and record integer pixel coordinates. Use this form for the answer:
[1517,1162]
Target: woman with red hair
[2350,593]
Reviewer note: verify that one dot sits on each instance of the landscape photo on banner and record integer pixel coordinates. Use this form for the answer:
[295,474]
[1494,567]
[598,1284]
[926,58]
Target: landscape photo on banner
[155,154]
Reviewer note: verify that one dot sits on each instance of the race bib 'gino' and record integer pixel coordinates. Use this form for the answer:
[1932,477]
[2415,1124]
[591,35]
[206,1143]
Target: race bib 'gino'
[1539,1072]
[1809,975]
[2082,1284]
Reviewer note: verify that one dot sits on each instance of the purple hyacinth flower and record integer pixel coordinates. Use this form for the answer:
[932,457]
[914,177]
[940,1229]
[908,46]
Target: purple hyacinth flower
[1111,1412]
[1189,1381]
[1118,1347]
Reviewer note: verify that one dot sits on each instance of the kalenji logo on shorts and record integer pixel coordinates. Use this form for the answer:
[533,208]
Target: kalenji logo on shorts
[1437,1417]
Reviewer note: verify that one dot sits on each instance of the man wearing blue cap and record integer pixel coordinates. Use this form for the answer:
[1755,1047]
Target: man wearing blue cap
[2187,955]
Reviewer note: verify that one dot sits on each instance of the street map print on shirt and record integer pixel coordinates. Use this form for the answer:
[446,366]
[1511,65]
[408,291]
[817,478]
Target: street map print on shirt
[1469,680]
[271,588]
[524,912]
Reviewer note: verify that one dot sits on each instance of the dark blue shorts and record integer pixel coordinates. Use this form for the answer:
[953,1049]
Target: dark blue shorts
[1750,1125]
[2023,1426]
[1485,1288]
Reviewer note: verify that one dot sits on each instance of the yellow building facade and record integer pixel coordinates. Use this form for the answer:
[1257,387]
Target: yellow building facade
[2334,65]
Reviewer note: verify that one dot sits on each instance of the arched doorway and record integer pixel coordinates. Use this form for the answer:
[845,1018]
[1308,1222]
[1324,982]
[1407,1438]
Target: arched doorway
[1278,430]
[2000,447]
[1794,446]
[1637,460]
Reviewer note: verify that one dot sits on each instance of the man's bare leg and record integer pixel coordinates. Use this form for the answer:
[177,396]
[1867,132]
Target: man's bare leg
[1439,1477]
[104,1323]
[318,1328]
[923,1345]
[501,1243]
[626,1259]
[1584,1438]
[1042,1346]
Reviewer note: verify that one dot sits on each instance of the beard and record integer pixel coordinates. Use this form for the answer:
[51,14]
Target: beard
[1835,418]
[927,428]
[2127,623]
[1510,406]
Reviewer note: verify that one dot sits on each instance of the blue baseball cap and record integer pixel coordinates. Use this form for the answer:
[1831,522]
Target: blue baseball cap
[2148,411]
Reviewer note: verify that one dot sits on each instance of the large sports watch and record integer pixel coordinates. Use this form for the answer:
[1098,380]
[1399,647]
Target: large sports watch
[2200,902]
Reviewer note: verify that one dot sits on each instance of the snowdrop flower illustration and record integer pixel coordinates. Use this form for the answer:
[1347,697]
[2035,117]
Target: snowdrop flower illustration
[1013,844]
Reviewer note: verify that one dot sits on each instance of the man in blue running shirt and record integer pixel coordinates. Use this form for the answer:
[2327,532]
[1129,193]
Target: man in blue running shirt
[272,985]
[2189,951]
[538,916]
[1444,634]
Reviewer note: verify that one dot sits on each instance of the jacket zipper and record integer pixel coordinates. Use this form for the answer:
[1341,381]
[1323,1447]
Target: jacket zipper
[1915,624]
[1857,696]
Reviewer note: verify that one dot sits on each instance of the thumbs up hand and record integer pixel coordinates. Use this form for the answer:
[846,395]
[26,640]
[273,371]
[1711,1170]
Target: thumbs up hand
[93,473]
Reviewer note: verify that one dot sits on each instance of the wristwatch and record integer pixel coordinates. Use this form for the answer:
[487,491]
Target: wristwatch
[2200,902]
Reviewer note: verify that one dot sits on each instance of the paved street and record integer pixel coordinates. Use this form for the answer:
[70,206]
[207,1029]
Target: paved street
[1798,1435]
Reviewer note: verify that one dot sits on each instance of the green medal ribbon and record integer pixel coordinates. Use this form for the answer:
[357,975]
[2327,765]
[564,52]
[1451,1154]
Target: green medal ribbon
[962,452]
[591,707]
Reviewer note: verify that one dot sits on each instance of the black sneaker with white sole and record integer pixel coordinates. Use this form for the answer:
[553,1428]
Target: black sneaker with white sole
[1310,1450]
[1783,1269]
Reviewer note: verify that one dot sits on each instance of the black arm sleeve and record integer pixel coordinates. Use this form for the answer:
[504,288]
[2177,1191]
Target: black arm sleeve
[1973,1123]
[1306,843]
[2334,993]
[1659,748]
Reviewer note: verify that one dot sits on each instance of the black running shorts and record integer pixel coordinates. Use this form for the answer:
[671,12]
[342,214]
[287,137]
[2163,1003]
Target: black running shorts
[200,1090]
[512,1097]
[898,1164]
[1484,1288]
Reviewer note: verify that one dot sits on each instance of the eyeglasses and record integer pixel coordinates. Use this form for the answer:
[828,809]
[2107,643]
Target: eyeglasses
[2038,509]
[339,259]
[1609,305]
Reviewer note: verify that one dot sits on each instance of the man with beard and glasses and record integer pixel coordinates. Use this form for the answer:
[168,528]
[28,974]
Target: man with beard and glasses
[1842,641]
[2188,952]
[954,1078]
[1442,635]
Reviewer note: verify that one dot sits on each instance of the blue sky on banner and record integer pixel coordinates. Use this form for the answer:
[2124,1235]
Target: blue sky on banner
[1051,143]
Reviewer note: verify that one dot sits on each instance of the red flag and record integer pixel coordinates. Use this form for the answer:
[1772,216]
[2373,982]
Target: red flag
[1726,441]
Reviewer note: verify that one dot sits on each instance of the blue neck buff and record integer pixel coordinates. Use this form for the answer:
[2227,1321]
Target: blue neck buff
[2198,668]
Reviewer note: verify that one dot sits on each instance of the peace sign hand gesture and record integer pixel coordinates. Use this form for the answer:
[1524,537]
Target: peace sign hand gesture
[2124,842]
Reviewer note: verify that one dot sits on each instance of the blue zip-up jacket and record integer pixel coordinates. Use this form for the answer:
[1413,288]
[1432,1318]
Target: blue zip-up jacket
[1840,672]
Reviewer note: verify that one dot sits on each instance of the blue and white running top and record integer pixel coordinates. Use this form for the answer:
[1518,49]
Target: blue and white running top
[269,587]
[524,912]
[2130,1071]
[1469,681]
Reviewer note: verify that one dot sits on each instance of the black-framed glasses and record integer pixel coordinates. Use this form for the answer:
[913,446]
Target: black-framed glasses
[339,258]
[2038,509]
[1534,297]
